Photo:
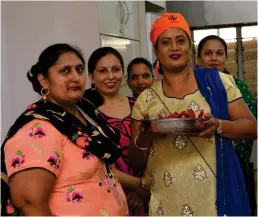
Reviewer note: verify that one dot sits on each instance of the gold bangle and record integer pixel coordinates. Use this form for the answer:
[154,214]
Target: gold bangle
[140,148]
[143,183]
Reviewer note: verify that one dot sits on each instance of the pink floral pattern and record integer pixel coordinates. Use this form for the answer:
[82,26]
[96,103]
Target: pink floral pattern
[9,207]
[54,160]
[32,106]
[73,196]
[81,139]
[18,159]
[36,131]
[50,152]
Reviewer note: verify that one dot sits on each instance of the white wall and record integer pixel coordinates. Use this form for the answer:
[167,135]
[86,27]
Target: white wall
[27,29]
[207,13]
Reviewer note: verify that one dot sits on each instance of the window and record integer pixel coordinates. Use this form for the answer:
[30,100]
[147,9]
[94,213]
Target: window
[249,31]
[249,43]
[200,34]
[228,34]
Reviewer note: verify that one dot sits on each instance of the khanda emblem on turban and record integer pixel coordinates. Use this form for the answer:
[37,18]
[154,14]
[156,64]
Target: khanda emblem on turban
[172,17]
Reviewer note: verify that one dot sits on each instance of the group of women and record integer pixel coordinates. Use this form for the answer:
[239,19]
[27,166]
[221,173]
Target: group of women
[91,152]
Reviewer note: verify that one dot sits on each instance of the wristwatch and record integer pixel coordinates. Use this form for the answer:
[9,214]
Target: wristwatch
[219,129]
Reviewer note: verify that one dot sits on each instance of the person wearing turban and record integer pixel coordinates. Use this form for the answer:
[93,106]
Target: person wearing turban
[192,173]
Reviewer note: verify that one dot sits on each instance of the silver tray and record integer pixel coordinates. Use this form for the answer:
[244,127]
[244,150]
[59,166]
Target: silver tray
[179,125]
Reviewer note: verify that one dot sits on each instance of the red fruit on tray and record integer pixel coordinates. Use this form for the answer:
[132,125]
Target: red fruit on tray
[175,115]
[190,113]
[181,114]
[201,114]
[184,114]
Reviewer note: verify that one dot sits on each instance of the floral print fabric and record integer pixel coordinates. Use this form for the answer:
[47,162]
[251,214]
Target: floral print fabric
[182,168]
[79,173]
[244,148]
[34,146]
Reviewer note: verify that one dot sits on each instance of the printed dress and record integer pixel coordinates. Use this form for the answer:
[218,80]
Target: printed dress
[124,128]
[83,186]
[182,169]
[244,148]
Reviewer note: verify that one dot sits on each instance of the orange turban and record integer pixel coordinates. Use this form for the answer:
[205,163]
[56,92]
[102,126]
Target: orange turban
[167,21]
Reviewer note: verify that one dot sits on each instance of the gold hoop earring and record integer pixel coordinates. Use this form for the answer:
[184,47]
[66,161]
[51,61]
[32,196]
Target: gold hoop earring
[44,95]
[93,86]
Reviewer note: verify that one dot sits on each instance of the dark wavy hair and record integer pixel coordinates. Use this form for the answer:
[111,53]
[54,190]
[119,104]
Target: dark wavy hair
[47,59]
[92,94]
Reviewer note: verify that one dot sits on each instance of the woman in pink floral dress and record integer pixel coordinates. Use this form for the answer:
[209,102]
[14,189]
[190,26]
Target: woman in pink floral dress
[56,157]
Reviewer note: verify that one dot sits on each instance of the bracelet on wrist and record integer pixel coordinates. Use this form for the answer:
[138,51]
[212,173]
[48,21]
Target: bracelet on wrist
[219,128]
[143,184]
[140,148]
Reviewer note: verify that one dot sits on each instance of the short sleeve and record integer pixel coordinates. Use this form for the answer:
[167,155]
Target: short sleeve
[139,106]
[247,95]
[37,144]
[233,92]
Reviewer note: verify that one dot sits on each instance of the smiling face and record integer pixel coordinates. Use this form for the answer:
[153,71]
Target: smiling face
[213,55]
[108,75]
[140,78]
[66,79]
[173,49]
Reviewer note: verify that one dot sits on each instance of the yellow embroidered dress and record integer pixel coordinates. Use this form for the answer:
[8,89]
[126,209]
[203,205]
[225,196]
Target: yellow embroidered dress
[182,169]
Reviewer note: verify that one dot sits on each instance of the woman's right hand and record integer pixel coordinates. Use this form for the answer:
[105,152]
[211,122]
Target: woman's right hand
[135,201]
[144,193]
